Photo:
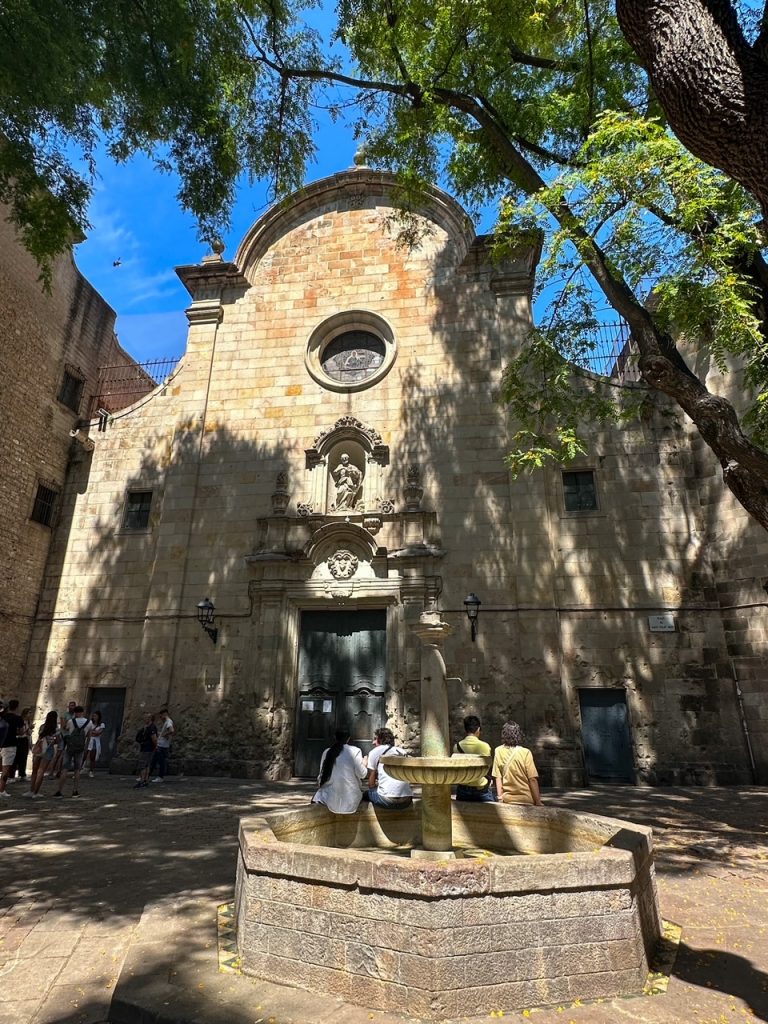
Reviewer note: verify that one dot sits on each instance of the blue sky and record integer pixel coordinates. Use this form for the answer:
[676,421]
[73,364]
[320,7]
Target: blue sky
[136,219]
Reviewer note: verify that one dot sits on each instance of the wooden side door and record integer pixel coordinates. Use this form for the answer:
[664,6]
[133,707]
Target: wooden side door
[605,735]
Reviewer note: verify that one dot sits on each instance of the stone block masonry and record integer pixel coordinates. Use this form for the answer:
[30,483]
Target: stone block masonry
[439,939]
[43,336]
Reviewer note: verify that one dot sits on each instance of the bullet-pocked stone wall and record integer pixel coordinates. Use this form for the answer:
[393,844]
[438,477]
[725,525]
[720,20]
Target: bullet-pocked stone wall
[566,597]
[42,334]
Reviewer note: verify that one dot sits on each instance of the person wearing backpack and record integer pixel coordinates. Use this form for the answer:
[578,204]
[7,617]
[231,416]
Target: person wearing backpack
[78,728]
[517,781]
[383,790]
[483,791]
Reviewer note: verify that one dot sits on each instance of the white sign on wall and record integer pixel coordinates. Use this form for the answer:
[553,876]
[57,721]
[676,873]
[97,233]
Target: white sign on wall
[663,623]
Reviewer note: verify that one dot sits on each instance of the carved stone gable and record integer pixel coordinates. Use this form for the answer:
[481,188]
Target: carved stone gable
[352,428]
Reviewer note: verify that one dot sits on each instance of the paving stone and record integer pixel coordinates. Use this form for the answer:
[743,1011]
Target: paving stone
[29,978]
[18,1011]
[75,1004]
[140,860]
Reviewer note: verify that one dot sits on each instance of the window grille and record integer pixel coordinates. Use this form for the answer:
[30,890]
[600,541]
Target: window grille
[580,491]
[137,506]
[45,505]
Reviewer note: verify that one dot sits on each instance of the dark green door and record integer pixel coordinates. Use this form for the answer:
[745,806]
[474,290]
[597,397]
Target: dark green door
[605,734]
[342,681]
[110,701]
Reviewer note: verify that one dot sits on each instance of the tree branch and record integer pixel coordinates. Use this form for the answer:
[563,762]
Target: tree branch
[531,61]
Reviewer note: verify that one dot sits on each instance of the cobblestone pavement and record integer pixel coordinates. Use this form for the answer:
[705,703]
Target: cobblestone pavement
[120,883]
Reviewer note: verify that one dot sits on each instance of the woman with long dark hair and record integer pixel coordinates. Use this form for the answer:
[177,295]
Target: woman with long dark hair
[43,751]
[341,772]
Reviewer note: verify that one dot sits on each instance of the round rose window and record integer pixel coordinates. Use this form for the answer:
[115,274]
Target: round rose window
[353,356]
[351,350]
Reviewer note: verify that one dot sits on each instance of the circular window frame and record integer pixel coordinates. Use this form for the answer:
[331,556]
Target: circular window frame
[343,323]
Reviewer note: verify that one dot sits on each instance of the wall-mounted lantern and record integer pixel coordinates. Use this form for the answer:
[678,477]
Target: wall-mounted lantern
[472,604]
[205,610]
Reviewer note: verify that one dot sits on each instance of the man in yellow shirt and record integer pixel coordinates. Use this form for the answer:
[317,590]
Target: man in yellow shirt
[484,790]
[515,775]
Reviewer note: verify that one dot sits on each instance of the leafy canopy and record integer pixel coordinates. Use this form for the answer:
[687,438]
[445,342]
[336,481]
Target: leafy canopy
[538,106]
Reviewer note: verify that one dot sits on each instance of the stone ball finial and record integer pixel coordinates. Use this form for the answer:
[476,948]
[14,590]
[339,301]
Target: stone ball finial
[217,246]
[361,155]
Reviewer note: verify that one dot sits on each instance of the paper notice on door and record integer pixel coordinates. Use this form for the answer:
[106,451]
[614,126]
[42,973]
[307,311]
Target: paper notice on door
[327,707]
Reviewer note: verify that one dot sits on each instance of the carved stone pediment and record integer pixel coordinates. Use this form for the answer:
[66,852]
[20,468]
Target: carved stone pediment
[348,428]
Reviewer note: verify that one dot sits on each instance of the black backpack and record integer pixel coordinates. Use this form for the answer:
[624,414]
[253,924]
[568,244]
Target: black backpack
[76,739]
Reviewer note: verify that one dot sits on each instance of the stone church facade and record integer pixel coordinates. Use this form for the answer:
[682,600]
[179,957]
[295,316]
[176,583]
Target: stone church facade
[327,461]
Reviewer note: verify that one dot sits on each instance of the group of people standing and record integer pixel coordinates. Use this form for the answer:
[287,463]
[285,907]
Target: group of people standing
[154,740]
[346,777]
[62,745]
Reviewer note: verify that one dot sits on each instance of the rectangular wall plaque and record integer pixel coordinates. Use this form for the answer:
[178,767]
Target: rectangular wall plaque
[664,623]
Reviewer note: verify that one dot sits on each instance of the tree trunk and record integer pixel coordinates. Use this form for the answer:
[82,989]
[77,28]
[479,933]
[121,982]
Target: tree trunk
[712,85]
[745,466]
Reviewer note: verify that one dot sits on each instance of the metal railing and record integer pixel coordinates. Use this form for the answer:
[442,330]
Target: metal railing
[122,385]
[609,352]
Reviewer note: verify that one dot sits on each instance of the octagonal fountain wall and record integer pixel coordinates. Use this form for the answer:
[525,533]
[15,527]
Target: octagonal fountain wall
[543,905]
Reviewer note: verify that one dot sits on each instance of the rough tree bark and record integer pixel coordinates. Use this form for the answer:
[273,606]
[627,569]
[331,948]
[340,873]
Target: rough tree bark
[711,83]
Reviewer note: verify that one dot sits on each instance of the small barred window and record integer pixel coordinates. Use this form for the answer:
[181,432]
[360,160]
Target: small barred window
[71,390]
[580,491]
[45,505]
[137,506]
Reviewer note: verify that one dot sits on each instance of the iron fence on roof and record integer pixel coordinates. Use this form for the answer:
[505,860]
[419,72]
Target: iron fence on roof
[611,353]
[121,385]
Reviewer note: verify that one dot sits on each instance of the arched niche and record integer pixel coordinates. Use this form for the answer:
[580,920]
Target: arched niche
[342,551]
[366,453]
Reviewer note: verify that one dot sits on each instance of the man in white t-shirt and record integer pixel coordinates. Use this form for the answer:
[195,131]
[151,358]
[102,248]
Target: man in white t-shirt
[162,752]
[77,730]
[383,790]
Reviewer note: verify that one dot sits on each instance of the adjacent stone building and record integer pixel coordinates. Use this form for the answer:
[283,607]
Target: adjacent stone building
[328,460]
[52,346]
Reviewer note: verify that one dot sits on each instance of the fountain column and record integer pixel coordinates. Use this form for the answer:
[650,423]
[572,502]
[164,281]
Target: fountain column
[435,739]
[436,769]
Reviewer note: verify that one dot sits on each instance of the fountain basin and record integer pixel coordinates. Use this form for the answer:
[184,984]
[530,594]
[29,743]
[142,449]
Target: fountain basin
[437,771]
[571,913]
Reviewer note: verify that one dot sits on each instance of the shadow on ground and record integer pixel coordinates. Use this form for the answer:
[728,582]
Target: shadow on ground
[114,850]
[726,972]
[691,827]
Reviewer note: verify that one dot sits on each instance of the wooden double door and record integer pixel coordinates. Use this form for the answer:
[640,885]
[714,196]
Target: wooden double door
[341,681]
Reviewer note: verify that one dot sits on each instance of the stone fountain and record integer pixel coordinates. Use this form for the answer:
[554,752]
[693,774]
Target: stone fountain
[565,907]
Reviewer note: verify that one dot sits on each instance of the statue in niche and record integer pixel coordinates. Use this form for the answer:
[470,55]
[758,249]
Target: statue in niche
[348,479]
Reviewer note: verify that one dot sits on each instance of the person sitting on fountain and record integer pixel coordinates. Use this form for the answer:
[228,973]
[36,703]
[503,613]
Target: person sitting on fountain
[483,791]
[341,771]
[517,781]
[383,790]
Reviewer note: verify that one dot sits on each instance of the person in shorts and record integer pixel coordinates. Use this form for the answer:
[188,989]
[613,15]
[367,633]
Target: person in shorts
[14,724]
[43,751]
[77,731]
[146,737]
